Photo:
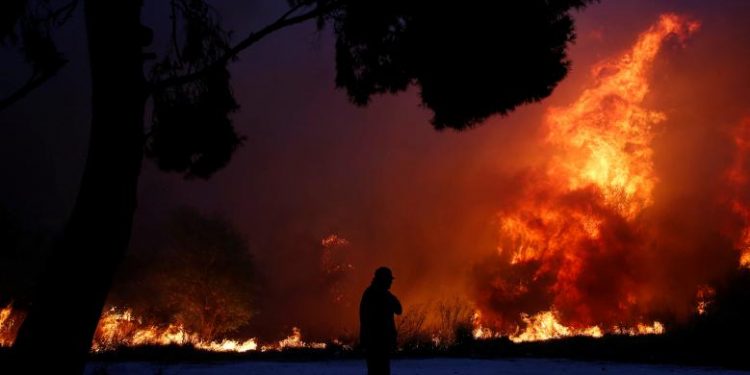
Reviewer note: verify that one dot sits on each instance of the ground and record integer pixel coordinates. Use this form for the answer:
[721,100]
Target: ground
[403,367]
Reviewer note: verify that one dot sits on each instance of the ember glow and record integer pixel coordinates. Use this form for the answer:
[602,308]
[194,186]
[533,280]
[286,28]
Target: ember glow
[582,210]
[704,298]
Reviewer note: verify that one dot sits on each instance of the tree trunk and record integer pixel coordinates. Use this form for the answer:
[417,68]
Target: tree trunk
[72,290]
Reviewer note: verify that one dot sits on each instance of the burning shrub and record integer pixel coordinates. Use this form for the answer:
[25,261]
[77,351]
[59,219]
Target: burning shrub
[198,276]
[455,316]
[437,324]
[411,327]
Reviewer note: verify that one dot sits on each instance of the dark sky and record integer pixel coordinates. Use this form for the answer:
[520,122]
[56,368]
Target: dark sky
[313,164]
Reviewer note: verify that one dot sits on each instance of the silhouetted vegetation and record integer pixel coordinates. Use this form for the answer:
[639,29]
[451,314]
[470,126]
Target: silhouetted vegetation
[469,61]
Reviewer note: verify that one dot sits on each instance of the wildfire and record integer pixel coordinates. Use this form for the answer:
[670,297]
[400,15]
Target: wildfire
[229,346]
[9,324]
[738,182]
[478,330]
[119,327]
[545,326]
[583,207]
[642,329]
[704,298]
[294,341]
[5,323]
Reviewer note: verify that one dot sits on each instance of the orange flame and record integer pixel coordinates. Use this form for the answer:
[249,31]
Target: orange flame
[604,137]
[479,331]
[738,182]
[585,204]
[294,341]
[8,326]
[119,327]
[546,326]
[704,298]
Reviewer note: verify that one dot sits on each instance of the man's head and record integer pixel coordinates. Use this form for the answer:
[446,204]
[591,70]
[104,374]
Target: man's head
[383,277]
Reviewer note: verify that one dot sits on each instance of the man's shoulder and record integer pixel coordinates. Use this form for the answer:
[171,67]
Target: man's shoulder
[368,292]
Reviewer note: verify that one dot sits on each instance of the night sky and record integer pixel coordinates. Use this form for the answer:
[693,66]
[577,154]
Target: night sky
[380,176]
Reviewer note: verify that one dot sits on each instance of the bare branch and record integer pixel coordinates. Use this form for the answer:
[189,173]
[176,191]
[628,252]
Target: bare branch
[173,17]
[63,14]
[284,21]
[53,18]
[31,84]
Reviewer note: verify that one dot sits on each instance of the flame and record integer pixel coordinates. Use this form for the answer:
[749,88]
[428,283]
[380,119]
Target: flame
[745,258]
[4,322]
[588,198]
[738,182]
[10,322]
[119,327]
[479,331]
[643,329]
[545,326]
[604,137]
[294,341]
[7,333]
[229,346]
[704,298]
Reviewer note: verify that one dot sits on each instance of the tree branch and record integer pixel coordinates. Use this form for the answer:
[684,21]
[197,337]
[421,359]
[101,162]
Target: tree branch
[65,12]
[173,17]
[33,82]
[54,18]
[284,21]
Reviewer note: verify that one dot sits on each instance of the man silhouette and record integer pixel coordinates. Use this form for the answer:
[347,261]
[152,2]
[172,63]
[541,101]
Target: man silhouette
[377,329]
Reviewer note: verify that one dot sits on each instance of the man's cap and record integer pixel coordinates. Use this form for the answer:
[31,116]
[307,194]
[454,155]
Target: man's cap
[384,273]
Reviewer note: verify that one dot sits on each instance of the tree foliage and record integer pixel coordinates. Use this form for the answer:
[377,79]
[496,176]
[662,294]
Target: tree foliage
[469,60]
[191,131]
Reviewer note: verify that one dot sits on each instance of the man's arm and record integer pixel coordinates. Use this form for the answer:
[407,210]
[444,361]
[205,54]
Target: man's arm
[364,320]
[396,305]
